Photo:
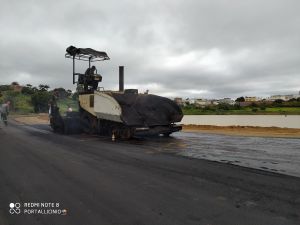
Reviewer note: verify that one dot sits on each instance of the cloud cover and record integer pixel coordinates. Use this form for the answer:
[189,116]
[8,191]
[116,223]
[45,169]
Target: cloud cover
[191,48]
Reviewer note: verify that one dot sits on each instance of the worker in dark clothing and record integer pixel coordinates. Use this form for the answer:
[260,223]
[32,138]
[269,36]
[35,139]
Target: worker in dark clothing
[90,71]
[91,78]
[4,110]
[88,78]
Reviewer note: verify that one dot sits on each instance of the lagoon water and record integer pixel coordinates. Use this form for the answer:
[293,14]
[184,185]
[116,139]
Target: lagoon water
[288,121]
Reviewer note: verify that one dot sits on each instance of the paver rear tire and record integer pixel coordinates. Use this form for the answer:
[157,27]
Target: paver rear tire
[88,123]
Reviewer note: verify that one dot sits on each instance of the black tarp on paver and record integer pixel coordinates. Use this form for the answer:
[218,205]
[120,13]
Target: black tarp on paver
[148,110]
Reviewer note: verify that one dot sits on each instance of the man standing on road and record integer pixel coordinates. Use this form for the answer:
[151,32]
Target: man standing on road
[4,110]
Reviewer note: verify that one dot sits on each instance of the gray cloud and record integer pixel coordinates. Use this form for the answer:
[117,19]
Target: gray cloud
[182,48]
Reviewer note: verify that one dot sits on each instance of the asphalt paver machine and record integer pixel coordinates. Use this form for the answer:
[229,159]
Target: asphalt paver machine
[122,113]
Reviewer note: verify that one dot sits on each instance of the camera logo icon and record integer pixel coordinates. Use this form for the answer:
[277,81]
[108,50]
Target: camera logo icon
[14,208]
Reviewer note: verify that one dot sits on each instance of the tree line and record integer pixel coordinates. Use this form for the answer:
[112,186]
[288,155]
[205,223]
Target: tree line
[35,97]
[258,106]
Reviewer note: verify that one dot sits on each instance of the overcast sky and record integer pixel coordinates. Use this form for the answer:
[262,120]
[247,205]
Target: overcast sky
[187,48]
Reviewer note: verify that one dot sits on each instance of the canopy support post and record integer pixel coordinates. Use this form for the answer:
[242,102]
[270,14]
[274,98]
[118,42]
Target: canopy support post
[74,69]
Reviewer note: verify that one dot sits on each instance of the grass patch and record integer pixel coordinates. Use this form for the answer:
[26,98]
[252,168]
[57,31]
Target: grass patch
[22,104]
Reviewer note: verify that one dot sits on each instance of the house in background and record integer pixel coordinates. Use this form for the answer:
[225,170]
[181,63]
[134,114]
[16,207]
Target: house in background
[227,101]
[281,97]
[202,102]
[251,99]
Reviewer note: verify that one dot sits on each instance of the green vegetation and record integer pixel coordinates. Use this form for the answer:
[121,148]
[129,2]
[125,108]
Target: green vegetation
[278,107]
[40,100]
[30,99]
[22,104]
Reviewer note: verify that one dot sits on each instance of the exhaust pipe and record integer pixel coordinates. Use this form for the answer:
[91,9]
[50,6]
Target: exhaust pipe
[121,78]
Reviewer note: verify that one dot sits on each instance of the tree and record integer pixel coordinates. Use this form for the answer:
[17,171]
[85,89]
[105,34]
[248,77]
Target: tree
[15,83]
[292,100]
[62,93]
[5,88]
[40,100]
[223,106]
[75,96]
[69,92]
[253,104]
[240,99]
[43,87]
[28,89]
[278,101]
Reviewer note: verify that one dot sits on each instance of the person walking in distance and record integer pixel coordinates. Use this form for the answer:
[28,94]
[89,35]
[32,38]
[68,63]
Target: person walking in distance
[4,110]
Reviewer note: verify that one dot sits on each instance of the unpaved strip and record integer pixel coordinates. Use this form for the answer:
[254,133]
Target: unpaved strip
[244,130]
[32,119]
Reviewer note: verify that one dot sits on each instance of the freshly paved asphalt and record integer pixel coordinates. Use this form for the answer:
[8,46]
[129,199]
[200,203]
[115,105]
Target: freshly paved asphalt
[131,182]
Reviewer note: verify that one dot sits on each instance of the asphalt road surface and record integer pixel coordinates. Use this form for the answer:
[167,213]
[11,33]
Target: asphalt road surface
[99,181]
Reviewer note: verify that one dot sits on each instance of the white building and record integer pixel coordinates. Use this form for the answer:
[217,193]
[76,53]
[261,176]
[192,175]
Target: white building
[202,102]
[282,97]
[227,101]
[251,99]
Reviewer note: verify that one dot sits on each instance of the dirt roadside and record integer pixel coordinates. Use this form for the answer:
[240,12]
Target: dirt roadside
[42,118]
[245,131]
